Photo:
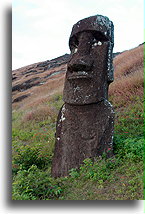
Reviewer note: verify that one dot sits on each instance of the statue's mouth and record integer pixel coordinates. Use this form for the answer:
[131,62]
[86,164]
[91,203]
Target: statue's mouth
[79,75]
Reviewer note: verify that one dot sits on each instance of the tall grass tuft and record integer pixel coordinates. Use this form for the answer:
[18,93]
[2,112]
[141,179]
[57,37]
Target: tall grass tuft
[40,113]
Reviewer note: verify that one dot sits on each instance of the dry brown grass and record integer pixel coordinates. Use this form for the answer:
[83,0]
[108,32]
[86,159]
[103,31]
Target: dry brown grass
[21,77]
[128,62]
[129,79]
[36,108]
[127,85]
[43,94]
[40,94]
[40,113]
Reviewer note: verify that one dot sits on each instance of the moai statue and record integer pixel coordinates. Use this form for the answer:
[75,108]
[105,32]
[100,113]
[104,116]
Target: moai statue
[85,122]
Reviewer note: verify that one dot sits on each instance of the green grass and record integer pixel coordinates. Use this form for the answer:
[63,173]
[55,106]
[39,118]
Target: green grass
[116,178]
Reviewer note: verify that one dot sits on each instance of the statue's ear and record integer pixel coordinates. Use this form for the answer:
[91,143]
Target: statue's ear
[110,69]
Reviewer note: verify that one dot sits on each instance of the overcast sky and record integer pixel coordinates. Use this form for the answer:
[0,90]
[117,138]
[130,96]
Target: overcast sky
[41,28]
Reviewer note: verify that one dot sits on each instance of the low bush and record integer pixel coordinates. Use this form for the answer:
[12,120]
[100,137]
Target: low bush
[35,184]
[130,148]
[26,156]
[116,178]
[38,151]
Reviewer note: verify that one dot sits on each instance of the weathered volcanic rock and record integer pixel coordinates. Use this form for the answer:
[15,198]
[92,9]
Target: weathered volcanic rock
[20,98]
[85,122]
[82,132]
[27,84]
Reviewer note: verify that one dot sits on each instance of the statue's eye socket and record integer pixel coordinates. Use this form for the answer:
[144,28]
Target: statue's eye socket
[74,49]
[73,44]
[99,39]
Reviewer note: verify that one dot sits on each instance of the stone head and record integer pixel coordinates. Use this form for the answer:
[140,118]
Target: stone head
[90,68]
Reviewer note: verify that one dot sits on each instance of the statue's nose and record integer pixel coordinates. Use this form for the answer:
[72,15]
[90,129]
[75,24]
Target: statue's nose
[81,60]
[80,64]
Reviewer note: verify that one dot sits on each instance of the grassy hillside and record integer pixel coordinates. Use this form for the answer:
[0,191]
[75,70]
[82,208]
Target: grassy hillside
[33,130]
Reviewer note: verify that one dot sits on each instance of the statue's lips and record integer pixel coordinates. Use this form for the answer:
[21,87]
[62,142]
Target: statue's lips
[79,75]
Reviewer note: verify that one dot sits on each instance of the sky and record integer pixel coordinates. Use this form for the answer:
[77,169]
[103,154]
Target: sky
[41,28]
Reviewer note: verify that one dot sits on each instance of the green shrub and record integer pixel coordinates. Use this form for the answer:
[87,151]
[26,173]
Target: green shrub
[130,122]
[132,148]
[119,177]
[27,155]
[21,134]
[35,184]
[94,171]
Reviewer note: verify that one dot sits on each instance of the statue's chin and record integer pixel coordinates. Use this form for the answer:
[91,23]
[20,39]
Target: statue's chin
[79,75]
[86,99]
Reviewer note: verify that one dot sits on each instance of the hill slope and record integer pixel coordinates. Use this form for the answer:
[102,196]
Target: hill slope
[38,81]
[37,98]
